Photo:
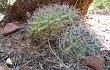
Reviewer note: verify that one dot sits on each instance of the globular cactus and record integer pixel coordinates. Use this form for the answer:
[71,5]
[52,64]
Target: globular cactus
[79,41]
[49,21]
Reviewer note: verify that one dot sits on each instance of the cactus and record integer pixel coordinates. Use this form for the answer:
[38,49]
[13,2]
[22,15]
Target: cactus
[49,21]
[79,41]
[74,37]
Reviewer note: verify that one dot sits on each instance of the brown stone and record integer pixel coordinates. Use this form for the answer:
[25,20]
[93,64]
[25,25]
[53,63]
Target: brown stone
[26,67]
[96,62]
[2,68]
[9,28]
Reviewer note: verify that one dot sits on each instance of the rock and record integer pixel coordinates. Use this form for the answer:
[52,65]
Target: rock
[1,16]
[2,68]
[96,62]
[5,68]
[13,59]
[26,67]
[8,61]
[9,28]
[10,69]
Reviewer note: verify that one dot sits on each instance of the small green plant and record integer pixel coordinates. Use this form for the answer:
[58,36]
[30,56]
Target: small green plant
[50,20]
[101,4]
[3,5]
[79,41]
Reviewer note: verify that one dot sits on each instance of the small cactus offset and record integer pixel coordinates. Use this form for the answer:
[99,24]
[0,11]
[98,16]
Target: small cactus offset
[79,41]
[50,20]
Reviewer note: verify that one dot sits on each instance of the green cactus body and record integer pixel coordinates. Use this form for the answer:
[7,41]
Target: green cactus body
[51,22]
[79,41]
[64,20]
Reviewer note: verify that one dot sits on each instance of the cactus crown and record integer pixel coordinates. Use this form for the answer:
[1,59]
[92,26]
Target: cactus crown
[52,19]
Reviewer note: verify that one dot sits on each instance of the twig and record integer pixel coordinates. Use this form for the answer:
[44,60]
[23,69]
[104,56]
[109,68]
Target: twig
[56,55]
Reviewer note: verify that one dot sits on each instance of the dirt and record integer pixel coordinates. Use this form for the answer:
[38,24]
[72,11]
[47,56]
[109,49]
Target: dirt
[27,52]
[100,24]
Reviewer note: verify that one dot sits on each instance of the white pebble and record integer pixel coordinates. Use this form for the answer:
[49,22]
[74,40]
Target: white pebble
[8,61]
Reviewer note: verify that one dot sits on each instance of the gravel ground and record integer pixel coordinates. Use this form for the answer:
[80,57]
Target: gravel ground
[29,54]
[100,24]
